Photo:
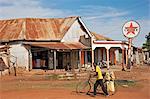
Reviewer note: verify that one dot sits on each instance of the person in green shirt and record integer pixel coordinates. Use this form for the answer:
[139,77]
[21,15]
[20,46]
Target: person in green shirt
[99,80]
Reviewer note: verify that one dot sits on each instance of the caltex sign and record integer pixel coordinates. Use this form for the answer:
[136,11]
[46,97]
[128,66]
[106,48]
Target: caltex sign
[131,29]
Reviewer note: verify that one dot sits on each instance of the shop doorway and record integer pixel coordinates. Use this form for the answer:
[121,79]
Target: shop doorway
[40,60]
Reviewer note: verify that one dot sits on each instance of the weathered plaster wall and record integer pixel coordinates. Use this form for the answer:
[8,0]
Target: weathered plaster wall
[21,53]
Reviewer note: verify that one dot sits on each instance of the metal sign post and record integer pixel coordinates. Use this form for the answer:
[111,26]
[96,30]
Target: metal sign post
[129,53]
[130,30]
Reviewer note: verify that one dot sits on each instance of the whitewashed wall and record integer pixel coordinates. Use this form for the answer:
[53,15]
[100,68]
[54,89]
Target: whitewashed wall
[74,33]
[21,53]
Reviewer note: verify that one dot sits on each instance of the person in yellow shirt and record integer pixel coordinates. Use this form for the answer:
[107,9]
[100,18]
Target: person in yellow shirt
[99,80]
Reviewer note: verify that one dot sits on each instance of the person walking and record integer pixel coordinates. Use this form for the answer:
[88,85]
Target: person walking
[99,80]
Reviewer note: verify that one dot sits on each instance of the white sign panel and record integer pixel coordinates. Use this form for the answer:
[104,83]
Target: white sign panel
[131,29]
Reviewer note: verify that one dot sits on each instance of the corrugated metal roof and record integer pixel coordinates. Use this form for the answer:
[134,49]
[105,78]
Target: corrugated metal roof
[35,28]
[60,45]
[101,37]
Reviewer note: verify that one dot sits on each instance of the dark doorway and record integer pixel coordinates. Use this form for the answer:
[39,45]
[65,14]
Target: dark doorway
[60,60]
[89,58]
[40,60]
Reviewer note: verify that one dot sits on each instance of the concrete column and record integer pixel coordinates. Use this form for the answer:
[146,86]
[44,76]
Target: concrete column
[102,54]
[115,57]
[99,54]
[92,58]
[54,60]
[8,58]
[85,56]
[107,52]
[80,59]
[123,65]
[30,60]
[126,52]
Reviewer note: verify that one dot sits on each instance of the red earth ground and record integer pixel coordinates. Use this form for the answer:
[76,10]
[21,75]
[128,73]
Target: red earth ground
[29,87]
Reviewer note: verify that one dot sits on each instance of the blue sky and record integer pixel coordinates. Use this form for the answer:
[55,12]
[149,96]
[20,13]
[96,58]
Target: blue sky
[105,17]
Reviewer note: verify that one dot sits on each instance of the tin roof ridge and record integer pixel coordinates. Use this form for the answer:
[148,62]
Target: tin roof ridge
[39,18]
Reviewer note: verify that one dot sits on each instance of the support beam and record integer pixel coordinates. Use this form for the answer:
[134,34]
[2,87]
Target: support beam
[30,60]
[55,60]
[126,57]
[92,58]
[102,53]
[123,65]
[80,59]
[114,57]
[8,58]
[107,52]
[73,63]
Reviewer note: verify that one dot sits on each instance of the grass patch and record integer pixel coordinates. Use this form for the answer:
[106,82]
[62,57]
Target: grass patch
[127,83]
[52,77]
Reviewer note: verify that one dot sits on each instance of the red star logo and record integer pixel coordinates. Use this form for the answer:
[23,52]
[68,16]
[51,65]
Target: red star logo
[131,29]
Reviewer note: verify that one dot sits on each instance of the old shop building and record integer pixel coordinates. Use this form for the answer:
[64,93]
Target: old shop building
[50,43]
[58,43]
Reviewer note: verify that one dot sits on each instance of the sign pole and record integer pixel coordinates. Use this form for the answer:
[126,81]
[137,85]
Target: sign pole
[130,30]
[129,52]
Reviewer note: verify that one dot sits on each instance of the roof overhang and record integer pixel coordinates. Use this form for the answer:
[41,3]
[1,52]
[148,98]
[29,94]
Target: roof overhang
[60,45]
[110,42]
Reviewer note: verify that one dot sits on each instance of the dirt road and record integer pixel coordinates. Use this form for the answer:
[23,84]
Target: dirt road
[25,88]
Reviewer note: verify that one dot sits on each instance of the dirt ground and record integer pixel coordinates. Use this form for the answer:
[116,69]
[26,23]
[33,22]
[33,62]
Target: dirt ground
[40,87]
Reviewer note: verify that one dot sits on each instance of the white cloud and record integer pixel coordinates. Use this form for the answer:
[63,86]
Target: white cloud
[33,8]
[7,1]
[99,12]
[108,15]
[27,8]
[101,19]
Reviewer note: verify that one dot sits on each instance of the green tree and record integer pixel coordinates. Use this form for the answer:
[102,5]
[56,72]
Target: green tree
[147,43]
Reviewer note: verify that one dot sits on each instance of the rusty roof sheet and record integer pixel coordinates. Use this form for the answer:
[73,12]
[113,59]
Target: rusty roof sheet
[101,37]
[60,45]
[35,28]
